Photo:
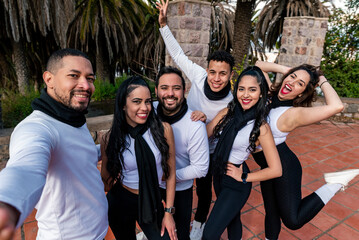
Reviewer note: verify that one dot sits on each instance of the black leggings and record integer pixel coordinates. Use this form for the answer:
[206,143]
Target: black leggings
[283,196]
[183,212]
[204,195]
[226,212]
[123,214]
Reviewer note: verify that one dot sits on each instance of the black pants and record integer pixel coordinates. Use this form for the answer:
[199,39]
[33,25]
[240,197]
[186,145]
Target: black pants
[204,195]
[283,196]
[182,216]
[123,214]
[226,212]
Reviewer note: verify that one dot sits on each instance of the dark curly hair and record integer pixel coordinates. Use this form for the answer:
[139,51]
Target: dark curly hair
[262,108]
[308,96]
[118,133]
[222,56]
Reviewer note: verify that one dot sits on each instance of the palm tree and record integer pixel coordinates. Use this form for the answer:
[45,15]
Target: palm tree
[109,27]
[222,25]
[271,18]
[24,22]
[242,29]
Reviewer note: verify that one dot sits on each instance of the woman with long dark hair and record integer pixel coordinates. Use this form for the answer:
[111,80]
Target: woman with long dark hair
[137,153]
[239,128]
[291,108]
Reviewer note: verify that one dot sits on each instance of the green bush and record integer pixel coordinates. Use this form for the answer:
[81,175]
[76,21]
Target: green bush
[107,91]
[341,51]
[344,77]
[16,107]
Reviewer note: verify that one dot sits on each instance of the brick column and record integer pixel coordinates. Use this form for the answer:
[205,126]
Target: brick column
[190,23]
[302,40]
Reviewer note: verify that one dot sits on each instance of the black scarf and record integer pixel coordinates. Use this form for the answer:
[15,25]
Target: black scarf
[149,204]
[216,95]
[174,118]
[59,111]
[278,103]
[229,133]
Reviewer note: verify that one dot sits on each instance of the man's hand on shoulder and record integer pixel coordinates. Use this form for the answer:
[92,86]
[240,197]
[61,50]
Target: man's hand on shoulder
[8,219]
[198,115]
[162,17]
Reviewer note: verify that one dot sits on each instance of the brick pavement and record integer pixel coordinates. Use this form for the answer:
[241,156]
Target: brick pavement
[324,147]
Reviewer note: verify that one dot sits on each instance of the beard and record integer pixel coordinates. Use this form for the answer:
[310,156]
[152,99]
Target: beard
[67,100]
[172,109]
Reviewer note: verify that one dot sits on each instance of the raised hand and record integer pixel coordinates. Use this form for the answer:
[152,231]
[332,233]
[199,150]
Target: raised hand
[162,17]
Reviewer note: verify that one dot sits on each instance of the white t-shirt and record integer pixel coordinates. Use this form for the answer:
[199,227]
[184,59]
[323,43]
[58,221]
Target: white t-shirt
[192,155]
[54,166]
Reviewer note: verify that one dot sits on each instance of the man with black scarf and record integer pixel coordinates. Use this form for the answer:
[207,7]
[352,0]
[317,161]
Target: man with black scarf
[210,92]
[191,143]
[53,159]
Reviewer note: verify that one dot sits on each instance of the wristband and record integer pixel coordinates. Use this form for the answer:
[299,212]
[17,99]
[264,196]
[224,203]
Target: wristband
[323,83]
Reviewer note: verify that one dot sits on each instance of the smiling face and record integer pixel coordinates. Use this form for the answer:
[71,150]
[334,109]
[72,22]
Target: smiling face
[294,85]
[218,75]
[138,106]
[248,92]
[170,93]
[72,83]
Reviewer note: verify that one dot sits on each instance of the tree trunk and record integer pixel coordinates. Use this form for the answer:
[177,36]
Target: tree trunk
[242,31]
[102,60]
[22,71]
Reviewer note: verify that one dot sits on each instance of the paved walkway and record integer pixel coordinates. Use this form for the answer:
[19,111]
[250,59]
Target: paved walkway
[324,147]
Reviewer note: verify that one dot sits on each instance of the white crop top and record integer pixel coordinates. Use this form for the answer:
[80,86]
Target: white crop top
[130,171]
[239,152]
[273,116]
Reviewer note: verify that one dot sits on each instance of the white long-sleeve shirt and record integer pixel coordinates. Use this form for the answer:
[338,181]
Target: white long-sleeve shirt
[192,155]
[54,166]
[196,98]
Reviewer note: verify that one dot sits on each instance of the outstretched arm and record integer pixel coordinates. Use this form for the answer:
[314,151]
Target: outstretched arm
[8,219]
[302,116]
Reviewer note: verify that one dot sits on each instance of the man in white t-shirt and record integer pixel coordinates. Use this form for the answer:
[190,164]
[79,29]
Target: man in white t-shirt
[191,142]
[53,159]
[210,92]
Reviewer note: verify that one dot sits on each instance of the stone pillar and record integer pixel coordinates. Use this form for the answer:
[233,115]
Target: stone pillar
[302,40]
[190,23]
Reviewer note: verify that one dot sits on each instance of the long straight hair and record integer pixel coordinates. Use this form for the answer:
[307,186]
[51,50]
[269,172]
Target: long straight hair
[118,134]
[262,108]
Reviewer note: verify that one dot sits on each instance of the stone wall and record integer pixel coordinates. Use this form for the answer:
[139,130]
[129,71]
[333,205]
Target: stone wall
[302,40]
[190,23]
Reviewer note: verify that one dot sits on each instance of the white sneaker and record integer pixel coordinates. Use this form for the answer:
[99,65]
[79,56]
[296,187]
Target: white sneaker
[141,236]
[342,177]
[197,230]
